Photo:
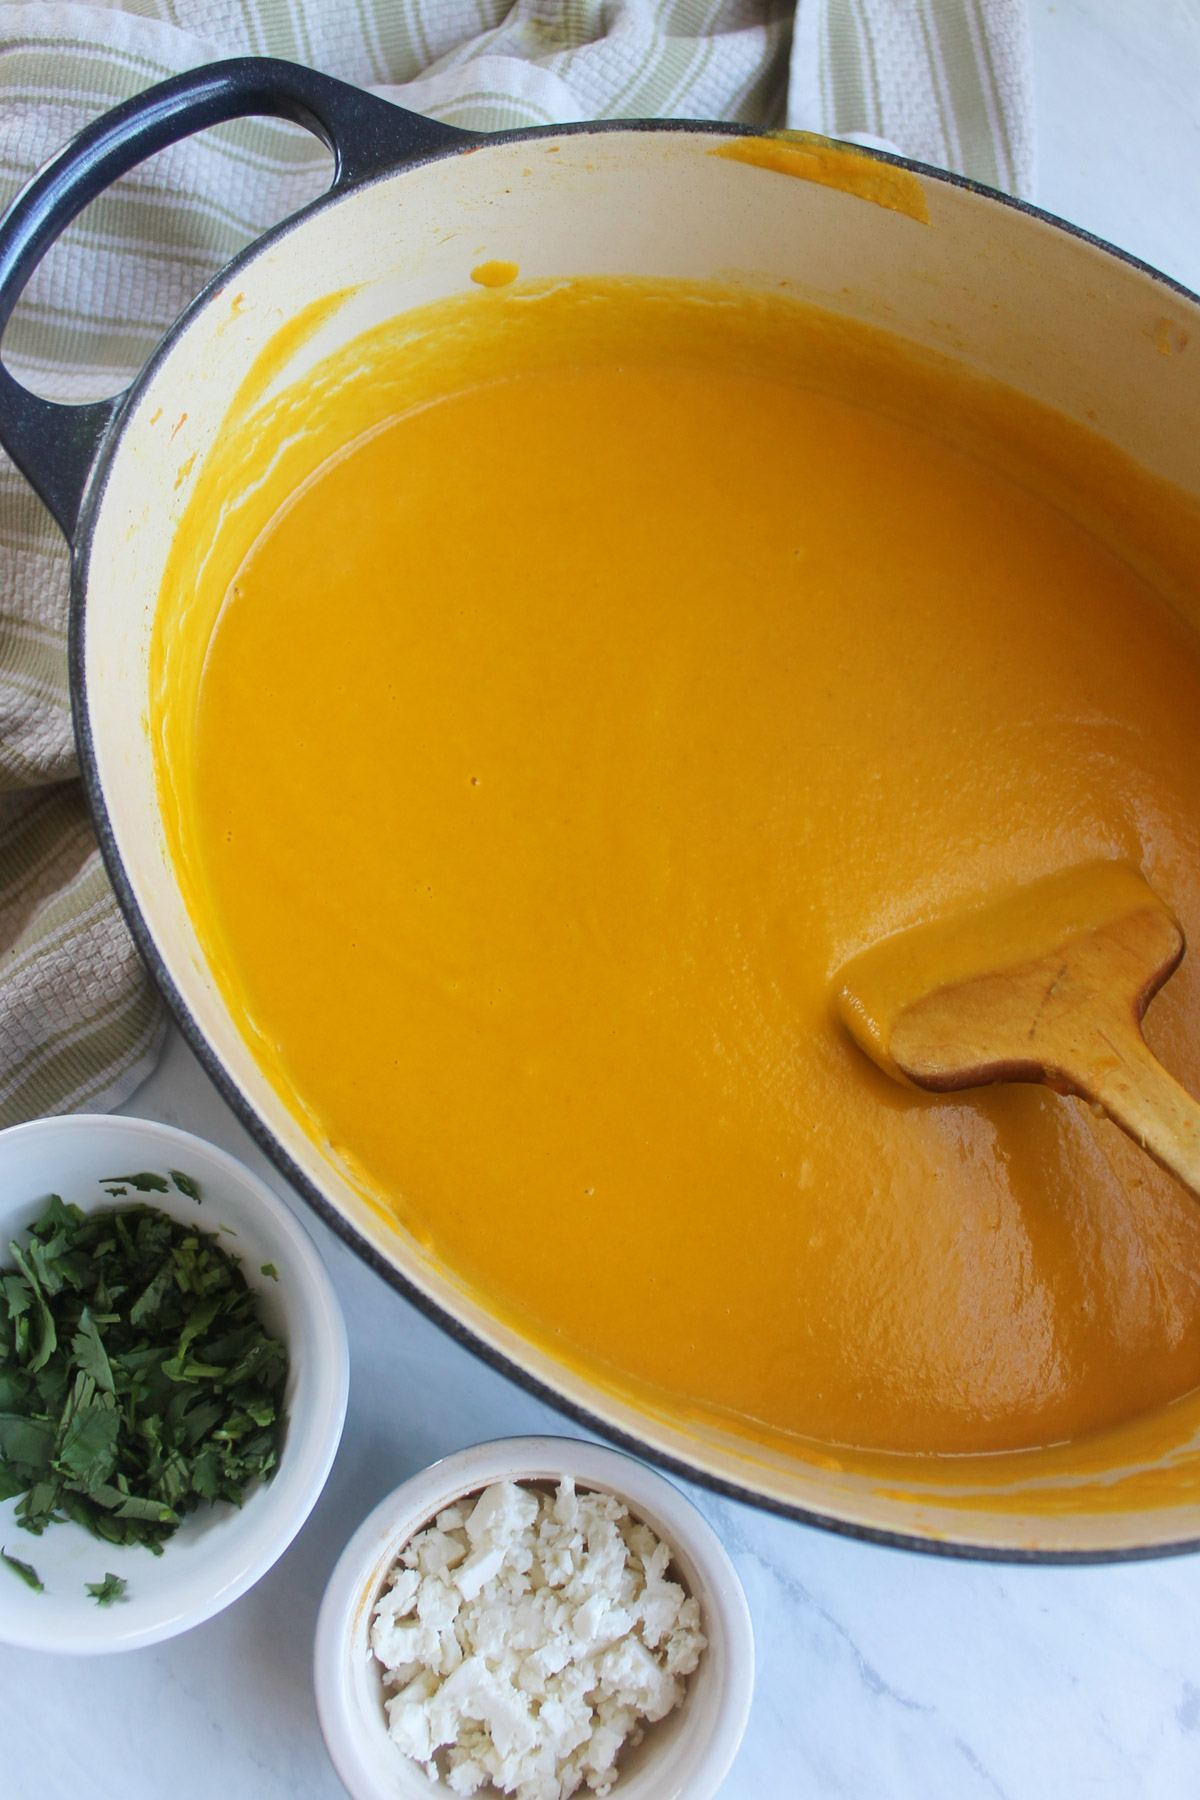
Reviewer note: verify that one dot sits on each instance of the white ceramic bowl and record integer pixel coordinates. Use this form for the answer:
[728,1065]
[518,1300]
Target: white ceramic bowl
[683,1757]
[219,1551]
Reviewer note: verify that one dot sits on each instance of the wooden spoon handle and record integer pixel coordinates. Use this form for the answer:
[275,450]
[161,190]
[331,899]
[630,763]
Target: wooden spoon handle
[1140,1097]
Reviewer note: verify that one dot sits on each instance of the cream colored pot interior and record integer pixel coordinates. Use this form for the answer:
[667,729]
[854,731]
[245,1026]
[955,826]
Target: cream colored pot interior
[1046,312]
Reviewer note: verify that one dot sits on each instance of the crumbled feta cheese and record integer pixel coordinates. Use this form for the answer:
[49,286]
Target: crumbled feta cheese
[525,1638]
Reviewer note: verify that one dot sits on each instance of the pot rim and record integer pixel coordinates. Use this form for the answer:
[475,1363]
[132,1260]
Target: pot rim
[80,545]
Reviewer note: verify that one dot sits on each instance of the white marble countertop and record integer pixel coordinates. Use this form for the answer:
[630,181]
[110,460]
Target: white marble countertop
[882,1675]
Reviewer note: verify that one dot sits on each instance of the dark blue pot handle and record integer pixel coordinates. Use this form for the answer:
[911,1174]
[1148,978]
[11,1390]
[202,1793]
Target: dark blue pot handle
[55,446]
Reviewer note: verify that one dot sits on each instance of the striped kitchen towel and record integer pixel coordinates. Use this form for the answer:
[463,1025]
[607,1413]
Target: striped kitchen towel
[946,81]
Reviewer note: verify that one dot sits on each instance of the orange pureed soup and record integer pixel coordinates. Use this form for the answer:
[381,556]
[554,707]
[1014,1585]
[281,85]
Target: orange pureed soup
[596,669]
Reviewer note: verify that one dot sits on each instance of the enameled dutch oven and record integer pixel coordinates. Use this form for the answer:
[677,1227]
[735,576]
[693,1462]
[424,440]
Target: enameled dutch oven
[413,206]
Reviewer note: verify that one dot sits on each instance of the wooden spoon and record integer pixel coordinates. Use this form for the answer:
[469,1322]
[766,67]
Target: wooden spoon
[1049,983]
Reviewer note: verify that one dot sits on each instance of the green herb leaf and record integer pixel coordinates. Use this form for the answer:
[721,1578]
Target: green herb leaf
[152,1296]
[145,1183]
[37,1507]
[26,1571]
[57,1217]
[187,1184]
[11,1484]
[25,1440]
[89,1352]
[87,1448]
[199,1320]
[47,1335]
[133,1508]
[18,1295]
[270,1271]
[106,1592]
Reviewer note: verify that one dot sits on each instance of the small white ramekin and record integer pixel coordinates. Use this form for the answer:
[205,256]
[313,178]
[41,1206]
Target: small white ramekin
[219,1551]
[683,1757]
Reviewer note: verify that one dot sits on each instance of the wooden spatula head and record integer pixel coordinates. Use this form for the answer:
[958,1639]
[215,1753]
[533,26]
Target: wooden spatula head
[1006,990]
[1045,983]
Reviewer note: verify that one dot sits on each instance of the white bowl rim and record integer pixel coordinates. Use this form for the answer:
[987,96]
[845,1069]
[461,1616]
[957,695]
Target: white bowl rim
[313,1437]
[373,1548]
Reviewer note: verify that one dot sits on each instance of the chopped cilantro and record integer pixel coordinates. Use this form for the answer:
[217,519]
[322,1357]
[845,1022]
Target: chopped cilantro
[136,1380]
[270,1271]
[105,1592]
[187,1184]
[26,1571]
